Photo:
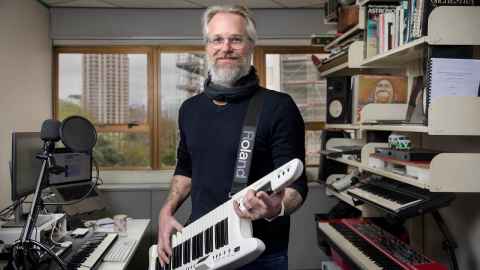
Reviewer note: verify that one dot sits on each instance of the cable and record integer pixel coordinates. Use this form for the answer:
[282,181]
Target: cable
[7,211]
[59,244]
[52,232]
[29,249]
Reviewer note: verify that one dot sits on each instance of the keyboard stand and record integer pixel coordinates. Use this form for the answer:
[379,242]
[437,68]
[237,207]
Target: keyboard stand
[449,244]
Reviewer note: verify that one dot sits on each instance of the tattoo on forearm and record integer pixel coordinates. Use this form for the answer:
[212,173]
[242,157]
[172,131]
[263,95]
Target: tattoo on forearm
[292,200]
[179,191]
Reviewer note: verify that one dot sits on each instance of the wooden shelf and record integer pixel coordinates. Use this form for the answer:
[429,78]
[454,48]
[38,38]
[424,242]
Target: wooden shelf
[348,65]
[354,30]
[454,25]
[342,126]
[314,125]
[405,179]
[449,172]
[365,2]
[398,56]
[442,119]
[333,65]
[454,115]
[400,128]
[339,70]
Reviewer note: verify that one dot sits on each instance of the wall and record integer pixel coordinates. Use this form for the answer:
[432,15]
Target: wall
[25,76]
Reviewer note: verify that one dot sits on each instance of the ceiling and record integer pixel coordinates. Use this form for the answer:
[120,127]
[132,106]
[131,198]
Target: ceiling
[183,3]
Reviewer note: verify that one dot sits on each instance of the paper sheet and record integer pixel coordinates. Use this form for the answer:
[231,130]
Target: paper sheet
[454,77]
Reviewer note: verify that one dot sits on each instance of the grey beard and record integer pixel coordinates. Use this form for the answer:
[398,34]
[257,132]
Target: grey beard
[227,76]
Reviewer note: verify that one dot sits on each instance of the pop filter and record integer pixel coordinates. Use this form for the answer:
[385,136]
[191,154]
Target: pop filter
[78,134]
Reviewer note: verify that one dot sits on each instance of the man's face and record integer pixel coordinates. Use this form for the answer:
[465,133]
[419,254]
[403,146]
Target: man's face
[383,92]
[228,48]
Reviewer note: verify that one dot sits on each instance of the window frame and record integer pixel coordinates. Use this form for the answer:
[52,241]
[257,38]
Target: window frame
[152,106]
[153,86]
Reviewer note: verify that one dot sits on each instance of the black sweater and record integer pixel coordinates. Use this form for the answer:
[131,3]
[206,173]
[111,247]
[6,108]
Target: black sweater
[209,137]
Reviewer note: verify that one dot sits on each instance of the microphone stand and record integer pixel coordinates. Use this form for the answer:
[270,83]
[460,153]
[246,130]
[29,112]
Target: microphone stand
[25,244]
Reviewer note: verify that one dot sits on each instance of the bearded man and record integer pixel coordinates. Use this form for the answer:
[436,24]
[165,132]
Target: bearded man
[210,125]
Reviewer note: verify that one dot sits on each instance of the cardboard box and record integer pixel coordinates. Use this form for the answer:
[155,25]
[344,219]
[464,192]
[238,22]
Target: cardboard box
[347,18]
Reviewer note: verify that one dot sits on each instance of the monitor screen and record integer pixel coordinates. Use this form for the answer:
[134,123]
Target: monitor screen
[25,167]
[77,167]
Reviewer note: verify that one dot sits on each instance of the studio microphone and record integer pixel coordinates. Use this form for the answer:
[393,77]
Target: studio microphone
[50,134]
[50,130]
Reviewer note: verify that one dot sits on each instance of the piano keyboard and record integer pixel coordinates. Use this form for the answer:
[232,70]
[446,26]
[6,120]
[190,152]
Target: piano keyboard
[399,198]
[392,200]
[88,253]
[220,239]
[369,247]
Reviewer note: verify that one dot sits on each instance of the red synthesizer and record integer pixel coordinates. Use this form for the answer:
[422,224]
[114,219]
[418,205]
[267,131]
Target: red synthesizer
[369,247]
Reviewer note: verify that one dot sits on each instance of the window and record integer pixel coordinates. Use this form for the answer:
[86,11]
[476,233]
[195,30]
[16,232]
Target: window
[291,70]
[111,88]
[180,75]
[134,109]
[132,95]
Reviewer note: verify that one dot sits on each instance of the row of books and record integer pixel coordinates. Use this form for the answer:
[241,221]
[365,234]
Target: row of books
[389,26]
[386,28]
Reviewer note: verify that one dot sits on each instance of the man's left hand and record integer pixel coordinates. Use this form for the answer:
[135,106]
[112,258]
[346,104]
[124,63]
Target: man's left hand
[260,205]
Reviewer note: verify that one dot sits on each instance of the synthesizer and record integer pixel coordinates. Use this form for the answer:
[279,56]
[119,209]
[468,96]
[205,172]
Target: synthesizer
[87,253]
[369,247]
[220,239]
[399,198]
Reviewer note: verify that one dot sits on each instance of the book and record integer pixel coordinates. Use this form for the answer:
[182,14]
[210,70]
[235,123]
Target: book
[377,89]
[450,70]
[373,28]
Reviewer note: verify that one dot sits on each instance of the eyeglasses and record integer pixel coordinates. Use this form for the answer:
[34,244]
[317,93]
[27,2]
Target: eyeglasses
[234,41]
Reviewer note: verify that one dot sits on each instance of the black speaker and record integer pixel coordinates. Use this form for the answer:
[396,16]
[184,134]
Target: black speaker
[339,100]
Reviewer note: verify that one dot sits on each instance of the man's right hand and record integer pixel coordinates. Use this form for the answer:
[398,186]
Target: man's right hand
[167,225]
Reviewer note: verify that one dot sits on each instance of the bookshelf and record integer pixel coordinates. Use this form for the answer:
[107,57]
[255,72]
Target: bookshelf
[442,119]
[452,127]
[441,31]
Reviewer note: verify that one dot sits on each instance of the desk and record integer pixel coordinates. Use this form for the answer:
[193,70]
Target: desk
[136,229]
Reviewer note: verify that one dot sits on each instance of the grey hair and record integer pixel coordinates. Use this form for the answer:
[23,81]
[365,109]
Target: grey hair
[239,10]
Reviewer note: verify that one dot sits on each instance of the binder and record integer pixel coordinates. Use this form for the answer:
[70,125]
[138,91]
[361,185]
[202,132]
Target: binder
[441,52]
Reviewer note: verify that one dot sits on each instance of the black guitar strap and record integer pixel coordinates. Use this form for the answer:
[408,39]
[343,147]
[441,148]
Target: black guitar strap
[247,141]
